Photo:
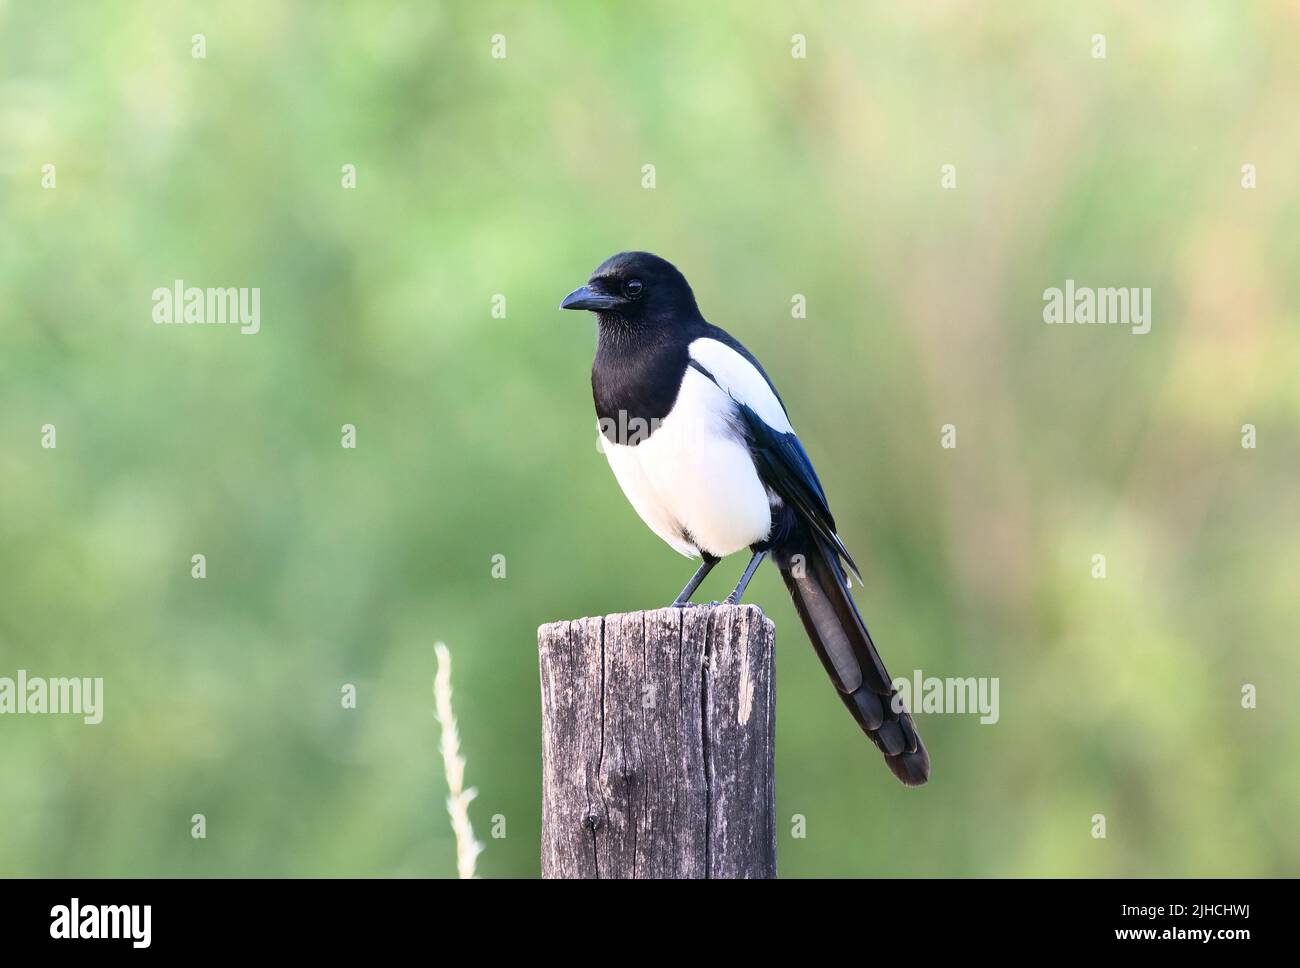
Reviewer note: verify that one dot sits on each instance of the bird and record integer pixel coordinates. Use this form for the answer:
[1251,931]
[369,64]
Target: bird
[702,446]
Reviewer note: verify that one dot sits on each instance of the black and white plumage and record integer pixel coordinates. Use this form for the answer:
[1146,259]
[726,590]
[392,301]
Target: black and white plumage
[702,446]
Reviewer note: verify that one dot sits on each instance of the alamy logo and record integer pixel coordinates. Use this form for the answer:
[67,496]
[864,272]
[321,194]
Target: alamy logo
[218,307]
[34,694]
[931,695]
[102,921]
[1085,305]
[624,430]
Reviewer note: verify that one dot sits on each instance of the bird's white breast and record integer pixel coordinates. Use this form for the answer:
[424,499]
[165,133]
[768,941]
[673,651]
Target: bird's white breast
[693,480]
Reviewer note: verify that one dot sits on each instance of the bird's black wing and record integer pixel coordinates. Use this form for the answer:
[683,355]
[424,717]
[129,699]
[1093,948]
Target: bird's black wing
[783,465]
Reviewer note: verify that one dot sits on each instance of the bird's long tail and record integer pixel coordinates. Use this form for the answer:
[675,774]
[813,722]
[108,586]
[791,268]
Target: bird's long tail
[819,587]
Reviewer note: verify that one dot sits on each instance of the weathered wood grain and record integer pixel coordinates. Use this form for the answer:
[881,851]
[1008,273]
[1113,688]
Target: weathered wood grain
[658,735]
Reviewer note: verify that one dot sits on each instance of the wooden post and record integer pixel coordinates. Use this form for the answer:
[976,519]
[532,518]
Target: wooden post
[658,733]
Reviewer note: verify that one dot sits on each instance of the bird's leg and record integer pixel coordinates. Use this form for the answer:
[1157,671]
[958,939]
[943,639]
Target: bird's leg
[734,597]
[684,598]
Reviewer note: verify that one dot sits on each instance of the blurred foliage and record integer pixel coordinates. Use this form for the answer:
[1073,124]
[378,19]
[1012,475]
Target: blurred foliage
[476,435]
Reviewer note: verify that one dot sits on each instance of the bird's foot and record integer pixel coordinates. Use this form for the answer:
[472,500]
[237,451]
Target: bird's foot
[694,604]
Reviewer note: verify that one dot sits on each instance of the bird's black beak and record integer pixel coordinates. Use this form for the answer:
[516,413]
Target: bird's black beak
[584,297]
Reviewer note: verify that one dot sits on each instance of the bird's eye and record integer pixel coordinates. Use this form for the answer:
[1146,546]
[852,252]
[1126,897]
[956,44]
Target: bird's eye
[633,288]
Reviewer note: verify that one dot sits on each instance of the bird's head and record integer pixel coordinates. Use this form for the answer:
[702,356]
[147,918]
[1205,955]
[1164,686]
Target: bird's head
[637,289]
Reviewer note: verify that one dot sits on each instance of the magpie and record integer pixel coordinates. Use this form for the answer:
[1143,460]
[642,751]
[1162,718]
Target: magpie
[702,446]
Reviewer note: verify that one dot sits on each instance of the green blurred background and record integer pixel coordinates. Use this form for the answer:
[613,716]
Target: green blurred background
[775,176]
